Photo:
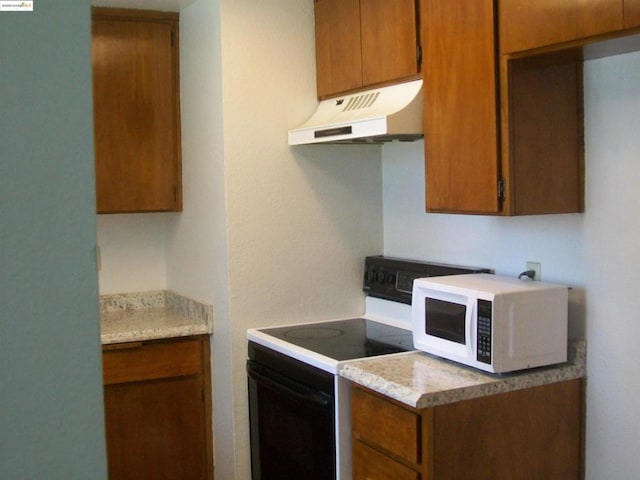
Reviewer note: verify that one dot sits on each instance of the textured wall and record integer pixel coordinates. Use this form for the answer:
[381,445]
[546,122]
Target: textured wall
[51,413]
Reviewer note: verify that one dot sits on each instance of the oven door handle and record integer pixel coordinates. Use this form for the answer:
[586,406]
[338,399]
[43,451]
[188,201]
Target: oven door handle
[282,383]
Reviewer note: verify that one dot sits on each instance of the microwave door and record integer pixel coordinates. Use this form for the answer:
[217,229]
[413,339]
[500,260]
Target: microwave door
[446,320]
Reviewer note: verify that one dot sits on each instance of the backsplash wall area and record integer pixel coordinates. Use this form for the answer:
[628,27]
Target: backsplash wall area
[595,252]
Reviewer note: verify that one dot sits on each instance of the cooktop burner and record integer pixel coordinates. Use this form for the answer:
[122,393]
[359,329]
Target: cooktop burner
[346,339]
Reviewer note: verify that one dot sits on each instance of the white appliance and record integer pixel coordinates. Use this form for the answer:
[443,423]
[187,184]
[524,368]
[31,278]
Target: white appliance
[494,323]
[374,116]
[292,366]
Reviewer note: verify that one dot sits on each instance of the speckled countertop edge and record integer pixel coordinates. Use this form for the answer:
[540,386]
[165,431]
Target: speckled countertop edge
[152,315]
[420,380]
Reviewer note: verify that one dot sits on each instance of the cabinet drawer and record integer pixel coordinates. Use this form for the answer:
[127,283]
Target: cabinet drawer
[133,362]
[383,424]
[369,464]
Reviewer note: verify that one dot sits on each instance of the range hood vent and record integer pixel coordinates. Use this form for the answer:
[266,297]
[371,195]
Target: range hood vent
[375,116]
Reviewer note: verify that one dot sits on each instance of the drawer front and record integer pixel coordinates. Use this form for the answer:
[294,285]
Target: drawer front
[383,424]
[134,362]
[369,464]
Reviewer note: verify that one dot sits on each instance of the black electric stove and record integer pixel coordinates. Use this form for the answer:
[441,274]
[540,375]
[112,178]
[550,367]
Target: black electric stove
[346,339]
[299,407]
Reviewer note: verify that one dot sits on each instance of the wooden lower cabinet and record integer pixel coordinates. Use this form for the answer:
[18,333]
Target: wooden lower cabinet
[158,409]
[534,433]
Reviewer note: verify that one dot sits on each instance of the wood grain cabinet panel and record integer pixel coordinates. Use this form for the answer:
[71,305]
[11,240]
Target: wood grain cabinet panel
[158,409]
[502,136]
[370,464]
[360,43]
[338,52]
[631,13]
[460,106]
[386,426]
[136,110]
[389,40]
[528,24]
[530,433]
[533,433]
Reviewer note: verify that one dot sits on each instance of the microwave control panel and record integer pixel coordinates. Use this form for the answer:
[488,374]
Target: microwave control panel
[483,334]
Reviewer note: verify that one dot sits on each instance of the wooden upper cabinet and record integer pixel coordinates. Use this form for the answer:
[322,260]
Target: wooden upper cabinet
[460,106]
[360,43]
[389,40]
[136,110]
[502,136]
[631,13]
[338,58]
[527,24]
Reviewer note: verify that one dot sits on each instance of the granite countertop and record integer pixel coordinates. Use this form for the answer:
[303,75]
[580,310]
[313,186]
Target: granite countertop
[135,317]
[421,380]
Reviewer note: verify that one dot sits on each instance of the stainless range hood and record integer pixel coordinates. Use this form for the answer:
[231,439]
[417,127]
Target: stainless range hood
[374,116]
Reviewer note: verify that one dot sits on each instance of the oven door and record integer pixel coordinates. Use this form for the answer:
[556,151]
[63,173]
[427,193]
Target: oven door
[292,426]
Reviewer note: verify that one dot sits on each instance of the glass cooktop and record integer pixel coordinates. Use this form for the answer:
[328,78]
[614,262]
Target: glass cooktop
[346,339]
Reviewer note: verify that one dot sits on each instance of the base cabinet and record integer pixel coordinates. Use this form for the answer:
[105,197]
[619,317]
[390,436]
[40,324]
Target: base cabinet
[158,410]
[531,433]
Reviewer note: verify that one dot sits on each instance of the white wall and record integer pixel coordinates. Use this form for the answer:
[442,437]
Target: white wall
[596,252]
[612,261]
[300,220]
[132,252]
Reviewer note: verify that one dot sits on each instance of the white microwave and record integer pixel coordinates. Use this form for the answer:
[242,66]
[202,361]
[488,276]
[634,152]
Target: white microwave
[494,323]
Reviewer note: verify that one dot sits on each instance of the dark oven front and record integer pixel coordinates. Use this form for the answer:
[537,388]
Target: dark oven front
[291,415]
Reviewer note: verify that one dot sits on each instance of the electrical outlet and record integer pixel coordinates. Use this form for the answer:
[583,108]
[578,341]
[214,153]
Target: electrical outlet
[536,267]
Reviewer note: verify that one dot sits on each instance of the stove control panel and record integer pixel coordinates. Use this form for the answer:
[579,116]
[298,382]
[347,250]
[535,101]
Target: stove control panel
[392,278]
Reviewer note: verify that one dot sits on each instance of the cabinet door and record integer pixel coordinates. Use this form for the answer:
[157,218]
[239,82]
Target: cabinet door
[534,433]
[157,398]
[369,463]
[526,24]
[338,53]
[156,430]
[460,106]
[631,13]
[395,430]
[389,40]
[136,119]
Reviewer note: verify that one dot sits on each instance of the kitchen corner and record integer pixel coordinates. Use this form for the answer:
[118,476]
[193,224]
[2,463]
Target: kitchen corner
[157,385]
[133,317]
